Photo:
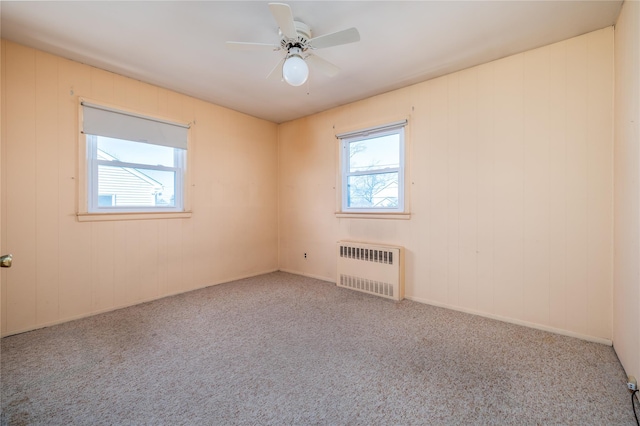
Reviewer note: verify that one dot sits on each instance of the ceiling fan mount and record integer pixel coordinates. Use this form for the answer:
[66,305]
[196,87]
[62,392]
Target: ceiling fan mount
[296,41]
[301,41]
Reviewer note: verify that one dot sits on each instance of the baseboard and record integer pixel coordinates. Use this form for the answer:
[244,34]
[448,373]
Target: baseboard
[317,277]
[514,321]
[137,302]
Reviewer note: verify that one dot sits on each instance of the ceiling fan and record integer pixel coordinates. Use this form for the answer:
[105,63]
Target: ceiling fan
[296,40]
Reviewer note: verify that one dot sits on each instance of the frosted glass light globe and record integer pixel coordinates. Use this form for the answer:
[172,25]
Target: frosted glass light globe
[295,71]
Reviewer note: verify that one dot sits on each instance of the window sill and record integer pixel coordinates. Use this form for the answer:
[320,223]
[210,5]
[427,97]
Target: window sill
[373,215]
[95,217]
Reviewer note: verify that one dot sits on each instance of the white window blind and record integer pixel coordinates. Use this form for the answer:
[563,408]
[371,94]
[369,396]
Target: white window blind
[103,121]
[364,133]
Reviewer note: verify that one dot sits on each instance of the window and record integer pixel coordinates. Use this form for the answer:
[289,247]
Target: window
[373,169]
[134,163]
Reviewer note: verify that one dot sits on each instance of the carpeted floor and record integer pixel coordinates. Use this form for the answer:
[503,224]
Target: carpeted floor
[282,349]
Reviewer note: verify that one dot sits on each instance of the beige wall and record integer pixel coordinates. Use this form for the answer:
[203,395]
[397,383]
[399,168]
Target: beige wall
[65,269]
[1,144]
[626,314]
[511,187]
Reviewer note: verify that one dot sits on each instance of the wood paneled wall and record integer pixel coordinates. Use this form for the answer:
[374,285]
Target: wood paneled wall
[510,174]
[511,188]
[65,269]
[626,301]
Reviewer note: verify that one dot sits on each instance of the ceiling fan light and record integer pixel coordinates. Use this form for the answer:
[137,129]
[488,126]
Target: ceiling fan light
[295,70]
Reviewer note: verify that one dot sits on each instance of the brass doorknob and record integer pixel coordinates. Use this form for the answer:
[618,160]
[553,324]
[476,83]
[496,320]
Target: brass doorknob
[5,261]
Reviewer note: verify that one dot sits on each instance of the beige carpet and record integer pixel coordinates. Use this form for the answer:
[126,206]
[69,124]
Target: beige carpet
[283,349]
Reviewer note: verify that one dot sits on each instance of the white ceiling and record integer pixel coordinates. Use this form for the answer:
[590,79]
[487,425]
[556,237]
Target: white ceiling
[180,45]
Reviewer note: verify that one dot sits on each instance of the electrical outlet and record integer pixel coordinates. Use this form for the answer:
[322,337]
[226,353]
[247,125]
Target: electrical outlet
[305,255]
[632,384]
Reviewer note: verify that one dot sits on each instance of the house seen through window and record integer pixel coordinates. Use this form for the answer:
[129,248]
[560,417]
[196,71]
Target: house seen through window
[134,174]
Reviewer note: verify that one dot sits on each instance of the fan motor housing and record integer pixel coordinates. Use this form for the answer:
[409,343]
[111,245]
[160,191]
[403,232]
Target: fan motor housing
[304,35]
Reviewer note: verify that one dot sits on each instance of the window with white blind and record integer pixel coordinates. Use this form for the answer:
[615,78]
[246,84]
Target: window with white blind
[134,163]
[373,169]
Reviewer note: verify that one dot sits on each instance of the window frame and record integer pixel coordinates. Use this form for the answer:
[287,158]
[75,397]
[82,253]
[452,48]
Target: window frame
[84,208]
[365,134]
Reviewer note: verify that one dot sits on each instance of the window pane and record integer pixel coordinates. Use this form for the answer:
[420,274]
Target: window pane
[375,153]
[127,186]
[374,190]
[135,152]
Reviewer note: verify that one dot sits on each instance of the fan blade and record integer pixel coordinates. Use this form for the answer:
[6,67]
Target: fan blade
[240,45]
[323,65]
[335,39]
[282,14]
[274,74]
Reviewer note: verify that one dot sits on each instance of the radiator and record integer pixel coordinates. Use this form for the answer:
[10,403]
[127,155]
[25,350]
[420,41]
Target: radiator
[371,268]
